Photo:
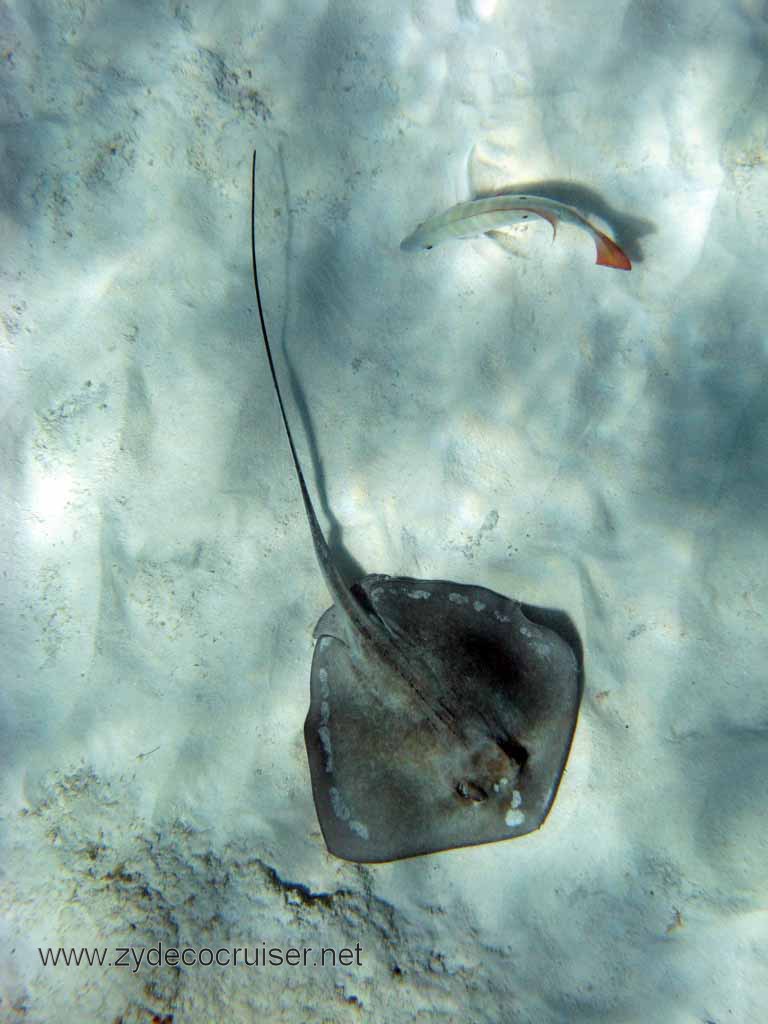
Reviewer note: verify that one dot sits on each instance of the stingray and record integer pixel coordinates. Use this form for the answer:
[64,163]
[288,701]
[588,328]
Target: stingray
[441,714]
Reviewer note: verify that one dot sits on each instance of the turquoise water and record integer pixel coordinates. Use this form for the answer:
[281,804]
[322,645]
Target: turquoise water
[499,412]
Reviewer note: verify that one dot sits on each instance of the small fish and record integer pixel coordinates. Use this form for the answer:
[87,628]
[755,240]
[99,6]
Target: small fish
[475,217]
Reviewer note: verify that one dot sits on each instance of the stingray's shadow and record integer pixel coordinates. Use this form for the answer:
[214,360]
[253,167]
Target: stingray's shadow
[349,567]
[628,229]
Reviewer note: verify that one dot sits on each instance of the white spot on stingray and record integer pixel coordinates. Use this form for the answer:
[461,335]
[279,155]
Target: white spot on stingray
[478,606]
[342,812]
[501,784]
[325,641]
[322,675]
[419,595]
[513,818]
[325,712]
[525,631]
[325,738]
[377,592]
[501,618]
[340,809]
[517,799]
[458,599]
[359,828]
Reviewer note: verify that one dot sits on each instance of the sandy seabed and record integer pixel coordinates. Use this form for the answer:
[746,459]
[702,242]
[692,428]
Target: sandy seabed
[498,411]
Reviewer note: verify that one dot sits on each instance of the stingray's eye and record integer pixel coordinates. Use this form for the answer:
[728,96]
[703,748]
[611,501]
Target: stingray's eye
[428,247]
[469,790]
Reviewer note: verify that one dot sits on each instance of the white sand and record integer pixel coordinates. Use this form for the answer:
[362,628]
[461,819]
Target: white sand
[158,582]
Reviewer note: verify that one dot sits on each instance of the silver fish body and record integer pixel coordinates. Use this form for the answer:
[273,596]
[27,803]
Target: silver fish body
[490,213]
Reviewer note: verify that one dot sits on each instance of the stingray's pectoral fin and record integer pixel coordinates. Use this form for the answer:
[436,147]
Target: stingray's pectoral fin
[330,623]
[333,622]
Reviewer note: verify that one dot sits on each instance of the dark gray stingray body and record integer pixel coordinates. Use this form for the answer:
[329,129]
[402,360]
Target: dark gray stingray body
[441,714]
[503,679]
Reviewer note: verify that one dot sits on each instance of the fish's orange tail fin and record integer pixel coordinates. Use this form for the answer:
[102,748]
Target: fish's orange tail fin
[609,254]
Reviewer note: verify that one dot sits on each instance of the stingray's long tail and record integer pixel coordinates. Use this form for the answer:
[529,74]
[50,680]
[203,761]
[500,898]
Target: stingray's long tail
[339,591]
[366,624]
[314,525]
